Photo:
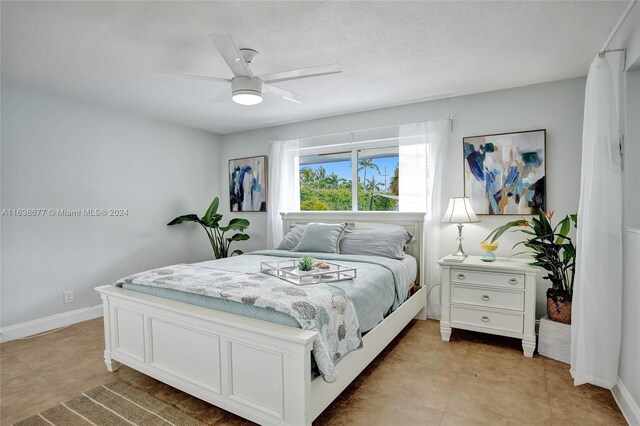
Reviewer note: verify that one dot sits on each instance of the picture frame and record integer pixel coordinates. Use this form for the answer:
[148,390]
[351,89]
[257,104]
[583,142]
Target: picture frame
[505,173]
[248,186]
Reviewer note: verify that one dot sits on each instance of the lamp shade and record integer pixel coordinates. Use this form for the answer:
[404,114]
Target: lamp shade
[459,211]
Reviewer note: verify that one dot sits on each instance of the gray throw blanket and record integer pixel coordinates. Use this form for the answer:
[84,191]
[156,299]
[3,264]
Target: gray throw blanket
[322,308]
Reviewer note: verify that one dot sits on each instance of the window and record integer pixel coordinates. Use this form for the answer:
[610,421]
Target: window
[327,179]
[378,179]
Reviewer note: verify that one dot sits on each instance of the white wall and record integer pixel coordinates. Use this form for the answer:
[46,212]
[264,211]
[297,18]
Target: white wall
[628,391]
[58,153]
[557,107]
[629,371]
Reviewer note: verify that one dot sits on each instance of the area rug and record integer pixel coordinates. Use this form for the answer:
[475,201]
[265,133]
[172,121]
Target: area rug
[113,404]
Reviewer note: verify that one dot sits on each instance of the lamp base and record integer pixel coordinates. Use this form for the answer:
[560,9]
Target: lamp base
[460,252]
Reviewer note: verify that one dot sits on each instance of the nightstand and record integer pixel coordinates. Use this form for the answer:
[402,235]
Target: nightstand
[490,297]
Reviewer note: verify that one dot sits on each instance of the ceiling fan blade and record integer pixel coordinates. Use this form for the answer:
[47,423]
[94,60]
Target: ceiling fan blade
[221,97]
[301,73]
[284,94]
[228,48]
[199,77]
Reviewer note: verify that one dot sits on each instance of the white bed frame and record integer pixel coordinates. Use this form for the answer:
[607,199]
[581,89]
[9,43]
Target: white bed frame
[258,370]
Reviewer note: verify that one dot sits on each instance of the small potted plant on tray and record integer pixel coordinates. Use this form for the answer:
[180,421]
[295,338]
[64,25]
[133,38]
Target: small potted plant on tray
[553,251]
[305,264]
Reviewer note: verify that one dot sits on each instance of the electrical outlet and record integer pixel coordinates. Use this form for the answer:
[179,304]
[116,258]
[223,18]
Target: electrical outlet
[68,296]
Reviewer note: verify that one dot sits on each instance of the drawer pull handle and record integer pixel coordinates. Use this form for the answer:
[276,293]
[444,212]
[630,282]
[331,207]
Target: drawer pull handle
[485,318]
[513,281]
[460,276]
[486,297]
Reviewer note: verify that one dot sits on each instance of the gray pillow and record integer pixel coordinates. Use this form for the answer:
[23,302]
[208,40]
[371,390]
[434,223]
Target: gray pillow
[376,242]
[321,238]
[292,238]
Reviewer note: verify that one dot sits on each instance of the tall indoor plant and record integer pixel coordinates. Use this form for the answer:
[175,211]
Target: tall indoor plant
[553,251]
[215,232]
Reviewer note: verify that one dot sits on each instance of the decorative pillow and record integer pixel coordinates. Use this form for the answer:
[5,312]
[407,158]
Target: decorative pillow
[383,227]
[292,238]
[376,242]
[321,238]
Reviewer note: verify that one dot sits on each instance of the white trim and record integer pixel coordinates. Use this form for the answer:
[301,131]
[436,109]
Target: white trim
[627,405]
[29,328]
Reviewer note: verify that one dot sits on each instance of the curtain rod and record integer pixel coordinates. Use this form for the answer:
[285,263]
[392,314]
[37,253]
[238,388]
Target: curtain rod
[617,27]
[337,145]
[602,54]
[351,132]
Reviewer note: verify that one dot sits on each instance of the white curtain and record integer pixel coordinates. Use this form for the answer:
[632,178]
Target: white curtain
[422,150]
[597,298]
[284,186]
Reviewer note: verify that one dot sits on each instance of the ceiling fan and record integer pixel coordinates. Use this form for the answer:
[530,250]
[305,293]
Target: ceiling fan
[247,89]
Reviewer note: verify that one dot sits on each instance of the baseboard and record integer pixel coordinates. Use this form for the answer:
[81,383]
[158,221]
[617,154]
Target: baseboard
[627,405]
[29,328]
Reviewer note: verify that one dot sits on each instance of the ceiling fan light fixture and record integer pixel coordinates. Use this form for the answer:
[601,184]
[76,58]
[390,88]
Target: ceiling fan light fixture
[246,90]
[246,97]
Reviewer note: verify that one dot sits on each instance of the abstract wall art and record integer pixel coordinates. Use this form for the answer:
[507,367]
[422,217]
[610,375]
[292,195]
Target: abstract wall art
[505,173]
[248,184]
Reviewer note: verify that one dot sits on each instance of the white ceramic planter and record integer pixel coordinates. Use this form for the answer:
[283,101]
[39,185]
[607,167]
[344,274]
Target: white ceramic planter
[554,340]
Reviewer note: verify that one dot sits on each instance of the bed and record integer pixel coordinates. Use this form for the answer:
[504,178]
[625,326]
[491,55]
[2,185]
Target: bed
[258,368]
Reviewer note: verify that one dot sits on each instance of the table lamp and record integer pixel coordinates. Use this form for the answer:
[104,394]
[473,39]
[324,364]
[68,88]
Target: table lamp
[460,212]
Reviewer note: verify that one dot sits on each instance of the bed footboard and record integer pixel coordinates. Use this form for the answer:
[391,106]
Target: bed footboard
[257,370]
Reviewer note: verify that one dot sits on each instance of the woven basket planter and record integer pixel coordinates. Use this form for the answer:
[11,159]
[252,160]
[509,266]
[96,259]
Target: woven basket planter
[559,311]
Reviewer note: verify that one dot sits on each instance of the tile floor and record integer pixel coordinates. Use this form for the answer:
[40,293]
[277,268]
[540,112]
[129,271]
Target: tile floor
[475,379]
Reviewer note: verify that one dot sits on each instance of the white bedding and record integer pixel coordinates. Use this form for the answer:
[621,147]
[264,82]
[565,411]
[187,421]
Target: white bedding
[411,265]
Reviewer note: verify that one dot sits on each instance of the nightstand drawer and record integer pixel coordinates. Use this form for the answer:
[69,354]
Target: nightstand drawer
[487,319]
[513,300]
[496,279]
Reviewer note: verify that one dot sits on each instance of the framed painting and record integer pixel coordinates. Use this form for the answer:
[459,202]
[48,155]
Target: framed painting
[248,184]
[505,173]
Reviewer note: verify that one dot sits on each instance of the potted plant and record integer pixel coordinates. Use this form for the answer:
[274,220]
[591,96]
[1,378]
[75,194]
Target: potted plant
[305,264]
[553,251]
[215,232]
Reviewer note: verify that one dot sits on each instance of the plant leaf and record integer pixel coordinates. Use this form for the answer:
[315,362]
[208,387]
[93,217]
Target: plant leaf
[565,226]
[239,237]
[215,220]
[574,218]
[502,229]
[236,224]
[211,211]
[186,218]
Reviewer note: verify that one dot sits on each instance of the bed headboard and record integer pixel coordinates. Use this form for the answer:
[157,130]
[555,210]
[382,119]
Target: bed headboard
[412,222]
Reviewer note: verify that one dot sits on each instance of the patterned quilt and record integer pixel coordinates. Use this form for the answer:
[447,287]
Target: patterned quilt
[322,308]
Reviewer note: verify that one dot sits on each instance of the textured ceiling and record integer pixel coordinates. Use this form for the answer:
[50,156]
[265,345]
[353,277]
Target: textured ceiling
[108,53]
